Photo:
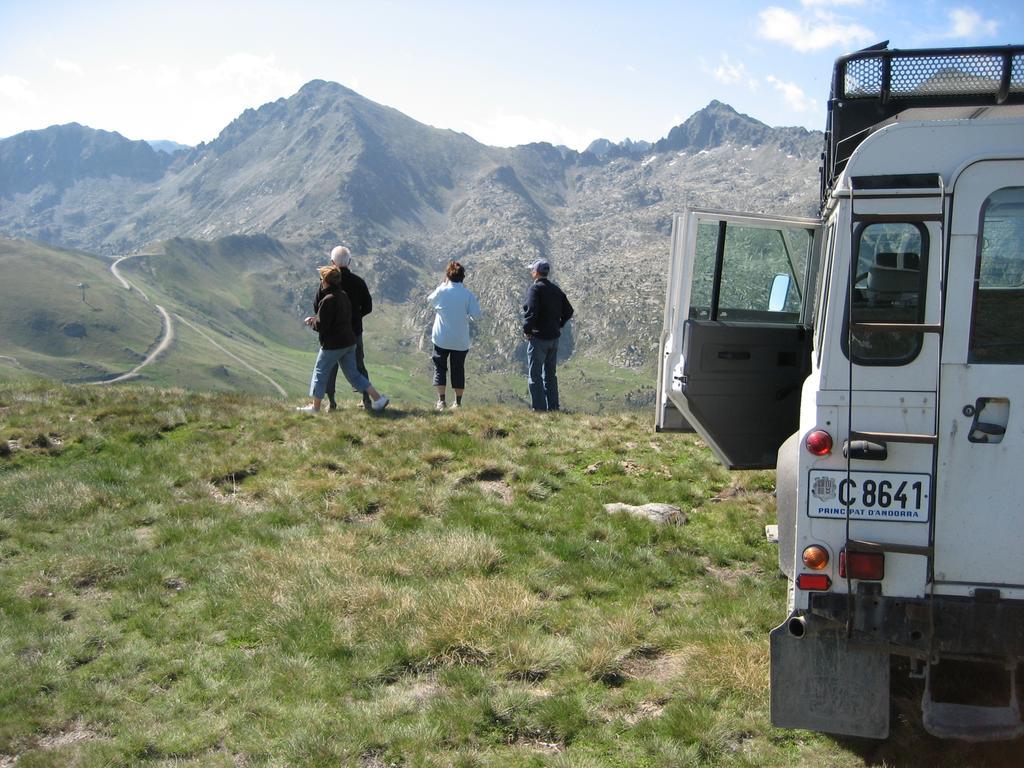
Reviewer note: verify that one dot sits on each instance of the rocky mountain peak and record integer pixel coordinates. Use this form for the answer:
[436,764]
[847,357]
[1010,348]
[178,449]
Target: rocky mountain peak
[325,89]
[313,102]
[61,155]
[713,126]
[719,124]
[720,106]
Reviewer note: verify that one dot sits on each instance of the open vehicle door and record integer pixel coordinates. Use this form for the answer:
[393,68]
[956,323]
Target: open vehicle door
[737,337]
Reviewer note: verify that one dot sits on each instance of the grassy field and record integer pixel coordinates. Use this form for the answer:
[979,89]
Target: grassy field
[49,328]
[215,580]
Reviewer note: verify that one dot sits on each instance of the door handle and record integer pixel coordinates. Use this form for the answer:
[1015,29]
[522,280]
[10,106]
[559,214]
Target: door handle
[989,418]
[865,450]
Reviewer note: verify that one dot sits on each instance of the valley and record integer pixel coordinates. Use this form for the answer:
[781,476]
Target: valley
[226,236]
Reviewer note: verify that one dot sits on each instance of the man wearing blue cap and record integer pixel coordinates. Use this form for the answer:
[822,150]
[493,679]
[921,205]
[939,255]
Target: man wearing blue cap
[546,310]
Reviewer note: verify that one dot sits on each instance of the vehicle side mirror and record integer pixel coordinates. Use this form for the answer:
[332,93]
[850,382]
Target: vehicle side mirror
[779,294]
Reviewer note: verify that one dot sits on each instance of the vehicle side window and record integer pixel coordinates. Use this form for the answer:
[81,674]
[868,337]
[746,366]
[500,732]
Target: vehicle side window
[997,328]
[824,281]
[760,266]
[703,270]
[889,287]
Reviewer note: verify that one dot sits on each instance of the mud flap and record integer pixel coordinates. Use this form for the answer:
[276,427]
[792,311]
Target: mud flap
[819,683]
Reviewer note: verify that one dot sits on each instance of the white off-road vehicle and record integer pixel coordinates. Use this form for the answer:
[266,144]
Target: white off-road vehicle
[875,357]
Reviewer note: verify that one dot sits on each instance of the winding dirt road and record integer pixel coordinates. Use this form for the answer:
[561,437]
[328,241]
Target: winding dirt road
[167,334]
[232,355]
[128,286]
[166,337]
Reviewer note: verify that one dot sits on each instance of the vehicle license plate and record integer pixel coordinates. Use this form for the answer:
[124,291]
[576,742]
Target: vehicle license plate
[881,496]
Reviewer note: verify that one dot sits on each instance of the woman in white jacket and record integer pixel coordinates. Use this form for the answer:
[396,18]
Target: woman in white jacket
[453,305]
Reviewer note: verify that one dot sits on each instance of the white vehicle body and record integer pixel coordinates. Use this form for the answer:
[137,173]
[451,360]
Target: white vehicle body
[893,325]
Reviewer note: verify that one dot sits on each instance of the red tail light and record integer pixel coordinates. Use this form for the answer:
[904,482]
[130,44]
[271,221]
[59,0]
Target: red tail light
[869,566]
[819,442]
[813,582]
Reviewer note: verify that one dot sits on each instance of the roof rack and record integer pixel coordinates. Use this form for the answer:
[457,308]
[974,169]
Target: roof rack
[872,86]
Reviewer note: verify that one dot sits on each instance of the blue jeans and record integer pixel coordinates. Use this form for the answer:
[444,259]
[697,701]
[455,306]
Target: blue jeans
[332,377]
[326,359]
[541,359]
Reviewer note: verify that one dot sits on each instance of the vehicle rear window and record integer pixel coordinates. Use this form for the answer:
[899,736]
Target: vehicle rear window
[997,327]
[889,287]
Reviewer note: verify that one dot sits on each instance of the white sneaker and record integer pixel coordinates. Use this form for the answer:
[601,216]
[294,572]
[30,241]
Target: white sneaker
[380,403]
[454,405]
[439,406]
[308,409]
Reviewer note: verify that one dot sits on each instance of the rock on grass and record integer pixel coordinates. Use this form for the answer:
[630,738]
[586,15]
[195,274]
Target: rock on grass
[655,512]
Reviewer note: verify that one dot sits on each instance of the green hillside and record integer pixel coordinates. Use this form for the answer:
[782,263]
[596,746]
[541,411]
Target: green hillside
[241,285]
[215,580]
[249,294]
[47,327]
[235,307]
[236,322]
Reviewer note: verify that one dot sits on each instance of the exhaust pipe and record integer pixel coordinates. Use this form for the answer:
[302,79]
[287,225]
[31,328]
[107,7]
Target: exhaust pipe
[797,626]
[805,624]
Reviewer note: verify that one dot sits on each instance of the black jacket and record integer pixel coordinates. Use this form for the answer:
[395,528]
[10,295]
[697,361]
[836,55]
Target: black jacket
[333,320]
[358,296]
[546,310]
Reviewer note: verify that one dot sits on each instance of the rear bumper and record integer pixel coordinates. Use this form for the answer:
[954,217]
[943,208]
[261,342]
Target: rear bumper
[981,628]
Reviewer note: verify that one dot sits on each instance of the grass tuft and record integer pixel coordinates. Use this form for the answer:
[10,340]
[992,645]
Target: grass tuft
[195,579]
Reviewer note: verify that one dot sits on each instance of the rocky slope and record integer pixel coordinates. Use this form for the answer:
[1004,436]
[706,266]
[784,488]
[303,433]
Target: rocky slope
[327,165]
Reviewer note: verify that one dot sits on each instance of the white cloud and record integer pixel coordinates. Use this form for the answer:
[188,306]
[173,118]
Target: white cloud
[16,89]
[830,3]
[792,93]
[804,34]
[258,77]
[19,106]
[71,67]
[729,72]
[965,22]
[167,76]
[508,130]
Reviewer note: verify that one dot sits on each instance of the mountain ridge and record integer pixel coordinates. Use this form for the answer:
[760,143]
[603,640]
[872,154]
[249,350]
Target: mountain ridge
[63,154]
[327,165]
[719,123]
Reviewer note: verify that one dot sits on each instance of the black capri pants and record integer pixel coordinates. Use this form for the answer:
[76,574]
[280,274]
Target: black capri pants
[458,365]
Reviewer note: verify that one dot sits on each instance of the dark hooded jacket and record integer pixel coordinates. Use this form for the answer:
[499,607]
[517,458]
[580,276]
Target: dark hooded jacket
[358,296]
[333,319]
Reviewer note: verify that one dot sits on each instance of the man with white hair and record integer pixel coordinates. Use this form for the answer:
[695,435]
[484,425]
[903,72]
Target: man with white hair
[362,304]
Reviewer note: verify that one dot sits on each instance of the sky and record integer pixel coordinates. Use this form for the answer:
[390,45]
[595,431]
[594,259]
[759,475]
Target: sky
[506,73]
